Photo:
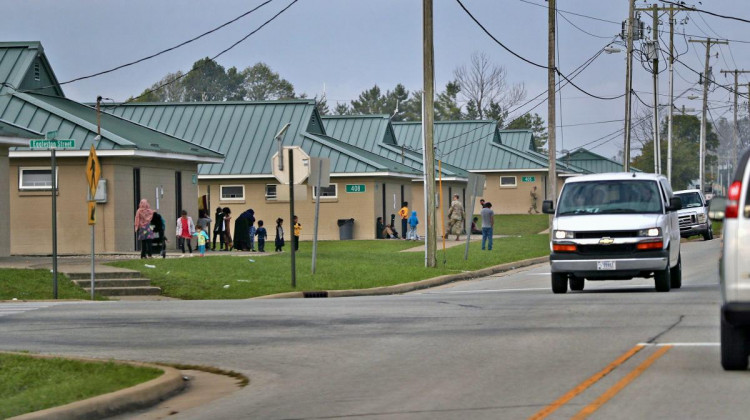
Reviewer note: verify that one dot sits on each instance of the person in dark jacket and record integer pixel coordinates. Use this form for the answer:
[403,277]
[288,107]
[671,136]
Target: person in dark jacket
[219,228]
[279,240]
[242,230]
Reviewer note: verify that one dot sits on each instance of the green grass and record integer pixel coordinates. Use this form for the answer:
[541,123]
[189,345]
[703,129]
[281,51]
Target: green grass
[519,224]
[340,265]
[36,284]
[29,384]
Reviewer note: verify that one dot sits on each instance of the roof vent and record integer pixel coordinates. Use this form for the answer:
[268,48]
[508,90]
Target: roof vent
[155,145]
[195,149]
[37,73]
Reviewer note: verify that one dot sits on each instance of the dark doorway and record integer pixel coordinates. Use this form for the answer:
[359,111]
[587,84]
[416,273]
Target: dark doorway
[136,201]
[402,195]
[384,198]
[178,194]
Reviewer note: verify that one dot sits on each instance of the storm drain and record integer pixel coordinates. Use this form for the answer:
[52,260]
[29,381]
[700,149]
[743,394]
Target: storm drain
[316,294]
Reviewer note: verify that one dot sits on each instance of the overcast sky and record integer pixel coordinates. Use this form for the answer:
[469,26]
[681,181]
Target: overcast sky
[346,46]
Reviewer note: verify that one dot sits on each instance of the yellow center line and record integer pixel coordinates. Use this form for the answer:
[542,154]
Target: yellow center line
[546,411]
[619,386]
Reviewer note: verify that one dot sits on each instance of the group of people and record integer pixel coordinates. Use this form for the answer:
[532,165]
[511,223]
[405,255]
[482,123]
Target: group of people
[456,223]
[150,226]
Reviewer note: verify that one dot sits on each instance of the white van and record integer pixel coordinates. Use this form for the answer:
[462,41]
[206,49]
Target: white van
[615,226]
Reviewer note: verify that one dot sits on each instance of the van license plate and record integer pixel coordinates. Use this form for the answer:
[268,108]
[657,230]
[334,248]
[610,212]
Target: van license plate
[606,265]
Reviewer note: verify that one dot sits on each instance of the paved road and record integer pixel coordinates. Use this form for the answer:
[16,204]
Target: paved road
[500,347]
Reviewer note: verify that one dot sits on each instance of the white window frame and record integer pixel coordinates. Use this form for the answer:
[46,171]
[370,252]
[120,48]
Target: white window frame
[22,187]
[271,197]
[327,197]
[221,193]
[515,181]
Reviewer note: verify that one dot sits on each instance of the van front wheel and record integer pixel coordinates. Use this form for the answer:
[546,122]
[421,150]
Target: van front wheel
[559,283]
[663,279]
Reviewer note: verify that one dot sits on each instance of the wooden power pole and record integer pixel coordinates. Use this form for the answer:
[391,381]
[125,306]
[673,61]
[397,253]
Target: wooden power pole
[428,112]
[735,130]
[552,142]
[704,125]
[628,83]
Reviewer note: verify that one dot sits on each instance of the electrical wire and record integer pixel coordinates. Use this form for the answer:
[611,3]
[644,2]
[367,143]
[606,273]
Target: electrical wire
[148,57]
[556,70]
[211,59]
[695,9]
[579,28]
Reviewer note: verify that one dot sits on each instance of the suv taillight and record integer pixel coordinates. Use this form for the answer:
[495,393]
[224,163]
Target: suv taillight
[733,200]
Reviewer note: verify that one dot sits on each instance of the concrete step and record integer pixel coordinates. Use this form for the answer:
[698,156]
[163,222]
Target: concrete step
[101,282]
[126,291]
[104,275]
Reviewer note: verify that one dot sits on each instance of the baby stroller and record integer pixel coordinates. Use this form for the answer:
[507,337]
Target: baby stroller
[158,244]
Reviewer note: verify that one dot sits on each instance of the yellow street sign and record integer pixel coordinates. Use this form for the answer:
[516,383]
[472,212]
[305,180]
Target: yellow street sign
[92,212]
[93,171]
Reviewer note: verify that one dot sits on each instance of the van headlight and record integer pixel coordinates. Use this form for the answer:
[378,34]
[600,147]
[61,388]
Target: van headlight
[653,232]
[701,217]
[564,234]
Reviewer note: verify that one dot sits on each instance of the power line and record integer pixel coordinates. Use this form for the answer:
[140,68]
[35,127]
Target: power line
[694,9]
[140,60]
[211,59]
[581,29]
[556,70]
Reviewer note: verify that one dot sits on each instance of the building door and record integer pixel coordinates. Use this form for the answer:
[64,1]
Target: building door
[385,221]
[178,194]
[136,201]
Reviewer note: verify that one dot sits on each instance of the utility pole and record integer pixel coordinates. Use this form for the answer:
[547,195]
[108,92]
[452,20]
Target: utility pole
[628,83]
[735,128]
[428,112]
[670,116]
[704,125]
[657,141]
[552,142]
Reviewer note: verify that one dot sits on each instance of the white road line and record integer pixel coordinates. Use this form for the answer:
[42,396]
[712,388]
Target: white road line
[680,344]
[7,309]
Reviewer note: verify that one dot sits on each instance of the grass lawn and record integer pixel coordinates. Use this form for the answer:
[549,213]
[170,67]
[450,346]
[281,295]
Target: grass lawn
[36,284]
[519,224]
[29,384]
[340,265]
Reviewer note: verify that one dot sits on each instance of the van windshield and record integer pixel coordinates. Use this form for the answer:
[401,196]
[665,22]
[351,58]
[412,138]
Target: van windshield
[691,199]
[610,197]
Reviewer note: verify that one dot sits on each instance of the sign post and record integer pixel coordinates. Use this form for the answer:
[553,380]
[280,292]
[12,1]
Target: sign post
[93,174]
[320,169]
[475,181]
[49,142]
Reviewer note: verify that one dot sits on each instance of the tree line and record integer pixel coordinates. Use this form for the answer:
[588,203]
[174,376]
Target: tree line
[479,90]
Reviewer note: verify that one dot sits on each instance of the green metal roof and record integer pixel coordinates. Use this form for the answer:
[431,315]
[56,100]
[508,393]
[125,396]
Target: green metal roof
[32,103]
[520,139]
[244,132]
[593,162]
[375,134]
[24,67]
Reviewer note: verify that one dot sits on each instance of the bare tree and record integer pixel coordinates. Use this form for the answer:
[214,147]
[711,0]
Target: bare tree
[484,88]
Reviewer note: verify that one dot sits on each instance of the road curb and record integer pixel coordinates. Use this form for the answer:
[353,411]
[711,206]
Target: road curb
[139,396]
[410,287]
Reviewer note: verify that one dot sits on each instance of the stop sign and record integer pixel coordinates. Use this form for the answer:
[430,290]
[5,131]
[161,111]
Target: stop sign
[300,161]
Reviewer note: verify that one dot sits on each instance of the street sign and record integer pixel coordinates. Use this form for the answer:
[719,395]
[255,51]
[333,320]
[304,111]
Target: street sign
[528,179]
[93,171]
[52,144]
[92,213]
[50,135]
[355,188]
[322,165]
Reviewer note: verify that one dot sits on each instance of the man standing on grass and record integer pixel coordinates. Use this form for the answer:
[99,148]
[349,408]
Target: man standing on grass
[404,213]
[488,225]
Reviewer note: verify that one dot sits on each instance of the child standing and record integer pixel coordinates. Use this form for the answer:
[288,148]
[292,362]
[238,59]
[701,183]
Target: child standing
[279,241]
[262,234]
[252,231]
[202,239]
[297,231]
[413,222]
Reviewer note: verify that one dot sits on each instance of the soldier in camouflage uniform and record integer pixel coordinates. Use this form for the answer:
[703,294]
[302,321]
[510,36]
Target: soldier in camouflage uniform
[534,200]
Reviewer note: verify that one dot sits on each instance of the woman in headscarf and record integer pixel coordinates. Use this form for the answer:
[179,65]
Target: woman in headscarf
[143,217]
[242,225]
[457,217]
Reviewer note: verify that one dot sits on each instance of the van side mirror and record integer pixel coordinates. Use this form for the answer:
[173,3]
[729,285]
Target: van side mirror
[716,208]
[548,207]
[675,203]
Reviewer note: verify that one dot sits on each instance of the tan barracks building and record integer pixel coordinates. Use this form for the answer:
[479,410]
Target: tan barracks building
[137,162]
